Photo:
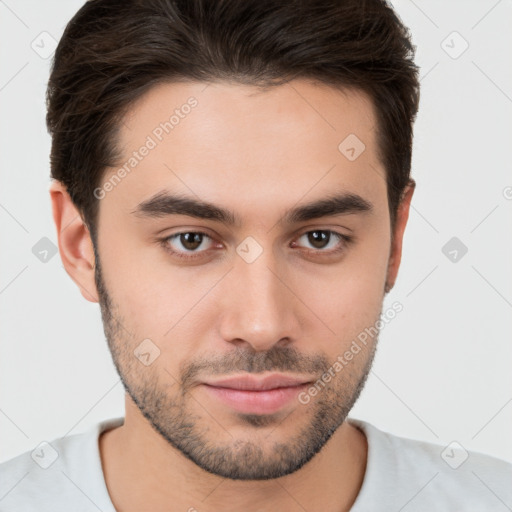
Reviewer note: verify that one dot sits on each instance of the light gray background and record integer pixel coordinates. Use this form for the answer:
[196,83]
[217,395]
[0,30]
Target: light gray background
[442,372]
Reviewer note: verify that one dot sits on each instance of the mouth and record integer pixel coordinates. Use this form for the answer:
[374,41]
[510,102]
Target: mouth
[252,395]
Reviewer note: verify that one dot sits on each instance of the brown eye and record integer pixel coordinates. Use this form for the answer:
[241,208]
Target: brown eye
[325,240]
[186,244]
[190,241]
[194,244]
[318,239]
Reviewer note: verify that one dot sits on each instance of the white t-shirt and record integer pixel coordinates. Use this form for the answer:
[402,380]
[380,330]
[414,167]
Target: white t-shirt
[401,475]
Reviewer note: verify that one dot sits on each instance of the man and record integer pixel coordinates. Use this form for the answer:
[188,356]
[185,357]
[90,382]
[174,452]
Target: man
[232,185]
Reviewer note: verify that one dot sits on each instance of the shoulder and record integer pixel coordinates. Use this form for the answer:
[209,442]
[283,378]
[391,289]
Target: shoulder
[431,476]
[55,475]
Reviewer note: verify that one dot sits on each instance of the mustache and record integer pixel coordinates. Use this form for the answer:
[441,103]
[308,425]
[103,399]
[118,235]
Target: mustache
[239,360]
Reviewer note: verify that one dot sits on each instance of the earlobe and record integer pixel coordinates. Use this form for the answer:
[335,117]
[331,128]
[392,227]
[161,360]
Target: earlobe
[402,216]
[74,240]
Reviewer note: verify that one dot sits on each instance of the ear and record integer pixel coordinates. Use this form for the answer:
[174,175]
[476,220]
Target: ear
[402,216]
[75,243]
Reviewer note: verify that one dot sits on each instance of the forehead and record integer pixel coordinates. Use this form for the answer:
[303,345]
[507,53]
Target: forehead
[228,142]
[219,112]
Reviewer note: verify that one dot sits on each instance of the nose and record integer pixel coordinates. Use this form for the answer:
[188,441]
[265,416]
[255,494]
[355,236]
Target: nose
[258,308]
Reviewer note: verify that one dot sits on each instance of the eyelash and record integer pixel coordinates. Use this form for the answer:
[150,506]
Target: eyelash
[346,239]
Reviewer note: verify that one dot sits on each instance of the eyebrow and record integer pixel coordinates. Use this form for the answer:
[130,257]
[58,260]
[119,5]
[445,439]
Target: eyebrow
[163,204]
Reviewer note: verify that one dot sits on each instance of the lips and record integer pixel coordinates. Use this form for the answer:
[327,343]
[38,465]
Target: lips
[250,394]
[252,383]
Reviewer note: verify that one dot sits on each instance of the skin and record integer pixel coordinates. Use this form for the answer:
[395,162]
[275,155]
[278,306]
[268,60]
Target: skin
[293,310]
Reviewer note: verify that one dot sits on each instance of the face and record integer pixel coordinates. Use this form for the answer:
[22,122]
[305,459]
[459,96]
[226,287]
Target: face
[193,296]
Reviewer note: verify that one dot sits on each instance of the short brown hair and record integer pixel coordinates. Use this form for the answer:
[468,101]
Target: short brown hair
[113,51]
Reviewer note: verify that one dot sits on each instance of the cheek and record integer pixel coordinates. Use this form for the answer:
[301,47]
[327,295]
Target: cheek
[348,297]
[158,301]
[346,305]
